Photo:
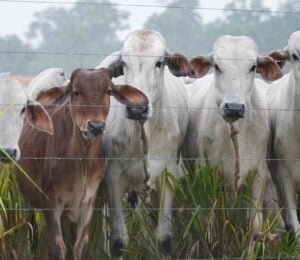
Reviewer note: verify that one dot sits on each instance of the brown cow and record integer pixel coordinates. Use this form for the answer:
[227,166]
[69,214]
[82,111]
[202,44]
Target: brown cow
[71,183]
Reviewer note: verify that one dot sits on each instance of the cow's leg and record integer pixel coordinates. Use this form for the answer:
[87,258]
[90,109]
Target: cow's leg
[164,228]
[81,246]
[286,197]
[258,194]
[118,235]
[55,244]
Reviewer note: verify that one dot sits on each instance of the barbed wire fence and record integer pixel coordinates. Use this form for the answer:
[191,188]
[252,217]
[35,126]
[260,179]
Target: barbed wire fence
[66,53]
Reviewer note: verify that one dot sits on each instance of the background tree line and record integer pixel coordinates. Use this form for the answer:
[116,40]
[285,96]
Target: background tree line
[92,31]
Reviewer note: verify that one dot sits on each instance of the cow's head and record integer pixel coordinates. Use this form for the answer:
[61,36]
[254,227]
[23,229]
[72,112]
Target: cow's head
[142,61]
[49,78]
[290,53]
[14,106]
[235,61]
[88,96]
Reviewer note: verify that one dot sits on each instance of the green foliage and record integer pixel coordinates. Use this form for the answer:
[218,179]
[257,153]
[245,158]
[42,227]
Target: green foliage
[208,223]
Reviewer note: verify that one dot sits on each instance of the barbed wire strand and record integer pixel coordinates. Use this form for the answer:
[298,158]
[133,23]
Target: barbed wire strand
[117,55]
[157,107]
[92,4]
[158,159]
[180,209]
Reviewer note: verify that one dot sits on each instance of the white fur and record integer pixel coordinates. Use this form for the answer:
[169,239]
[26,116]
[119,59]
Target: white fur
[284,99]
[49,78]
[209,134]
[165,129]
[12,100]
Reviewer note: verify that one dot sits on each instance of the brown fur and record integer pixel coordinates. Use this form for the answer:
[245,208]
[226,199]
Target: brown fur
[68,183]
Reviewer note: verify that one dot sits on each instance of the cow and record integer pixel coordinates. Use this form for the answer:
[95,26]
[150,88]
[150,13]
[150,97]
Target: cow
[284,102]
[69,165]
[145,61]
[231,95]
[46,79]
[15,106]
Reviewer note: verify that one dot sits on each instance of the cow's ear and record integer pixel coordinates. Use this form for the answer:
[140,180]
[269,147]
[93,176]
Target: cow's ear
[201,65]
[128,95]
[113,62]
[56,95]
[116,69]
[178,64]
[38,117]
[268,68]
[280,56]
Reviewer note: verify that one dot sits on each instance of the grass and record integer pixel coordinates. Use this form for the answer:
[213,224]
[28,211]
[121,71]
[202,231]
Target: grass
[207,223]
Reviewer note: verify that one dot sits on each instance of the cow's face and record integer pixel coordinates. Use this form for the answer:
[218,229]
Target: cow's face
[142,61]
[235,61]
[14,106]
[89,101]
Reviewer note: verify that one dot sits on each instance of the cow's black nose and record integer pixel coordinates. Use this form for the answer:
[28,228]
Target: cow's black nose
[11,152]
[96,127]
[137,113]
[234,110]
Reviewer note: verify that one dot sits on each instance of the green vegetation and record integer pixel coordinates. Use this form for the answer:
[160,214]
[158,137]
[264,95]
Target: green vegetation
[207,223]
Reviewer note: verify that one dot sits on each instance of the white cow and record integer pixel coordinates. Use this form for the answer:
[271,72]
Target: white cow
[231,94]
[48,78]
[284,102]
[145,63]
[14,106]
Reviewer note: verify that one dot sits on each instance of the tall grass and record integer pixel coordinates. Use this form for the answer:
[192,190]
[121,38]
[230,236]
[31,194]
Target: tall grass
[207,223]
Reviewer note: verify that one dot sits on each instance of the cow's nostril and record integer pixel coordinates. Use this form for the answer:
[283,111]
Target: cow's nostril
[234,110]
[137,113]
[96,127]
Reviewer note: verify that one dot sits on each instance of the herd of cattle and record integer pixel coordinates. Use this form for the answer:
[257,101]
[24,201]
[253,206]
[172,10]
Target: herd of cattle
[136,114]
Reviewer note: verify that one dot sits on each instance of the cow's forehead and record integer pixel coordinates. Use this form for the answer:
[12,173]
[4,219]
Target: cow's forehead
[145,43]
[235,47]
[12,92]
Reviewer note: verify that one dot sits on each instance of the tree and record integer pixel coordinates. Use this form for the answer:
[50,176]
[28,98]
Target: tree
[88,29]
[10,61]
[181,27]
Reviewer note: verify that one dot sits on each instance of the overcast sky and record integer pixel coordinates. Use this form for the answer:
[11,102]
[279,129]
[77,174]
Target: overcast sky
[15,16]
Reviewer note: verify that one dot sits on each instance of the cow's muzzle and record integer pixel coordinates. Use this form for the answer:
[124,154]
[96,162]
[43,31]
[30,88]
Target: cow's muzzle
[12,153]
[94,128]
[233,111]
[137,112]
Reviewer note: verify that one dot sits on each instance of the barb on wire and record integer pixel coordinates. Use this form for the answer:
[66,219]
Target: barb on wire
[93,4]
[159,158]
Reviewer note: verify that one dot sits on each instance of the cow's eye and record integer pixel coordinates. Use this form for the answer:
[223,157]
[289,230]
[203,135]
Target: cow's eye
[75,93]
[295,57]
[158,64]
[123,64]
[23,110]
[217,68]
[253,68]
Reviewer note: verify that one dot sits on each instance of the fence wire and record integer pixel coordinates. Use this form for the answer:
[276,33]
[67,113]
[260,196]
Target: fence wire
[171,6]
